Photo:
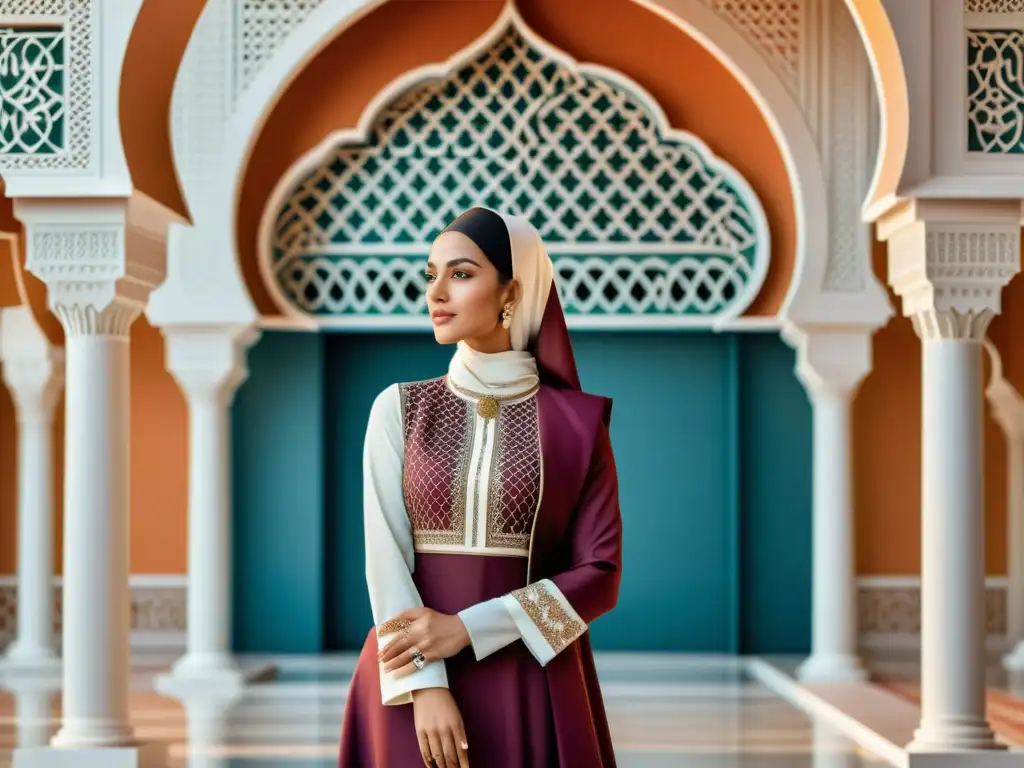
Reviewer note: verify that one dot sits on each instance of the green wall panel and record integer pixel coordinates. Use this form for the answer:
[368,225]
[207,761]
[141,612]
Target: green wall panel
[277,429]
[712,441]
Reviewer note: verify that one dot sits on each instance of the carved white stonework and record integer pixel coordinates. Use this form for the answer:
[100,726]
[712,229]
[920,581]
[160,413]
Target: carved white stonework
[775,27]
[100,260]
[843,139]
[33,104]
[896,609]
[261,28]
[993,6]
[153,609]
[949,261]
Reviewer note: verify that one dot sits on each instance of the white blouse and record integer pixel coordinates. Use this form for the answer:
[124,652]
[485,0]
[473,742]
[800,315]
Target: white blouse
[390,551]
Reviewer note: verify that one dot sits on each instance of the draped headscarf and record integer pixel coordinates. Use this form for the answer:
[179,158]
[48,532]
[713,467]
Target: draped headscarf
[538,324]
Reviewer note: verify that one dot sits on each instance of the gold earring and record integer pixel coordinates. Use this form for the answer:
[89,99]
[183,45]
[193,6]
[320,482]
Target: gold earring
[506,320]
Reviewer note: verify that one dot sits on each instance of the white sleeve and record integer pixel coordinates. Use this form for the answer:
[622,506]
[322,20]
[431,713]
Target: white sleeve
[490,626]
[538,614]
[389,547]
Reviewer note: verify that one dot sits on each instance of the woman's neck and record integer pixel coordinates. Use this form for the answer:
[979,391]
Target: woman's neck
[506,372]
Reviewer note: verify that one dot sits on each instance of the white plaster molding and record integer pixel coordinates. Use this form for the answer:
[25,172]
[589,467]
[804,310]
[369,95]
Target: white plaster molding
[949,261]
[389,106]
[778,28]
[99,258]
[878,23]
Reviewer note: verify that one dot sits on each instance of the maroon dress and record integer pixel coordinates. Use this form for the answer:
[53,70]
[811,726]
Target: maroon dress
[517,713]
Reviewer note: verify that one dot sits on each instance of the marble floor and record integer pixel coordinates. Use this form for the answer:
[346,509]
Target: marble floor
[705,712]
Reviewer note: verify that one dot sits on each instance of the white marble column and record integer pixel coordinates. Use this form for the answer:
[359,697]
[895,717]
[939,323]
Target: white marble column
[208,363]
[949,261]
[96,516]
[99,268]
[1008,411]
[34,373]
[831,363]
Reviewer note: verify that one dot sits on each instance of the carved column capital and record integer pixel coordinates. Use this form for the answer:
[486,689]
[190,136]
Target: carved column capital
[100,259]
[949,261]
[208,361]
[32,369]
[830,359]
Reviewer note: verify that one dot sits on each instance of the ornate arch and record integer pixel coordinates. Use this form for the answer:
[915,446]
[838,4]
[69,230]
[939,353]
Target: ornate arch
[894,102]
[324,21]
[645,225]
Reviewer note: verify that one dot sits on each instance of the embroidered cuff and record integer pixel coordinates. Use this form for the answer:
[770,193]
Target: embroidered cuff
[396,687]
[490,627]
[545,619]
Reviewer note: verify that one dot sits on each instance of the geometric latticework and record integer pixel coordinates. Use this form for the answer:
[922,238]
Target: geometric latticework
[995,91]
[261,27]
[638,220]
[774,26]
[46,84]
[32,72]
[993,6]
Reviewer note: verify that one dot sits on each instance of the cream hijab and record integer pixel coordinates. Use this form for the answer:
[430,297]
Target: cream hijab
[516,370]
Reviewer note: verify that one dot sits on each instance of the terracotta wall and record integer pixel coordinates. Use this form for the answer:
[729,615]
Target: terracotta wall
[887,442]
[698,95]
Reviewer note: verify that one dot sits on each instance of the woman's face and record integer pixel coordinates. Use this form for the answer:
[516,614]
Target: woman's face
[465,296]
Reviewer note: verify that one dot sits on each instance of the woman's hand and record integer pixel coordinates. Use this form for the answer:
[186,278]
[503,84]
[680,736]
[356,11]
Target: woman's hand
[439,729]
[436,635]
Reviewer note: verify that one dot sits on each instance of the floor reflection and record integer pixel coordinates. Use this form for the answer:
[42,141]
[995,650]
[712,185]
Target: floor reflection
[688,714]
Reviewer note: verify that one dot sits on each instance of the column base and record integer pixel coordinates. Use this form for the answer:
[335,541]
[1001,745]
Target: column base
[955,735]
[194,673]
[135,756]
[832,668]
[1014,660]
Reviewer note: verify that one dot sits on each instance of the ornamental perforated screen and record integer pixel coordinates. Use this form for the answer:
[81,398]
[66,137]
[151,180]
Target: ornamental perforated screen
[637,220]
[32,72]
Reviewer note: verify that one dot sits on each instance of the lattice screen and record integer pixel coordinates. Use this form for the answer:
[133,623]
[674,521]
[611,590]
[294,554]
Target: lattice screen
[995,91]
[636,223]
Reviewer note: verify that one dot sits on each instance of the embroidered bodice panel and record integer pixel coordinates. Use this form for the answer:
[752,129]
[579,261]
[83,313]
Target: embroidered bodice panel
[471,485]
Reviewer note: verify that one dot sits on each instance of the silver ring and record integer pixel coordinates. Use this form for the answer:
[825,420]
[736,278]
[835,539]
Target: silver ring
[419,660]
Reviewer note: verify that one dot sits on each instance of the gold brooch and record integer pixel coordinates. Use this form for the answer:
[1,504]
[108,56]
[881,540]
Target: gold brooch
[489,406]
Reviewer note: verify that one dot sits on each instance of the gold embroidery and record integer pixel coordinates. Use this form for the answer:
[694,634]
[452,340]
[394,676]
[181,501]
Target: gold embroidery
[438,428]
[556,626]
[391,626]
[515,478]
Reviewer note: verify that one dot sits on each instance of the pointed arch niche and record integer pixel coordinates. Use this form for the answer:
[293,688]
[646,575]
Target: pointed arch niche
[646,226]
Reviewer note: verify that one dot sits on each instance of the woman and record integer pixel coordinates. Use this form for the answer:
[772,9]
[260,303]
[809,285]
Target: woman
[493,535]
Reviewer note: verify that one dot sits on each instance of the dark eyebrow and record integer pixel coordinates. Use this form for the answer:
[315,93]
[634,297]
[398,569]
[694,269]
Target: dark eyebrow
[454,263]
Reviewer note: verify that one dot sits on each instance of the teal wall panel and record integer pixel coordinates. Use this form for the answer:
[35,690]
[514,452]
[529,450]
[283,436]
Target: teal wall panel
[712,441]
[277,449]
[357,369]
[775,493]
[673,454]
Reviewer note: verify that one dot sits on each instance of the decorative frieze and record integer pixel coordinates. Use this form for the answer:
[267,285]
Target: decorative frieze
[894,608]
[154,608]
